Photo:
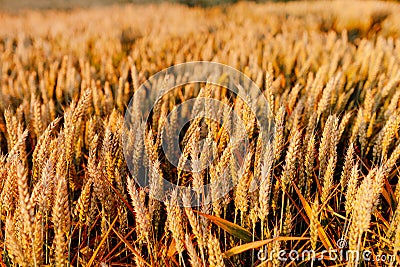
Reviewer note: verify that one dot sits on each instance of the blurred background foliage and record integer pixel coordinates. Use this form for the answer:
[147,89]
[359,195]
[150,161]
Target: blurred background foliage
[69,4]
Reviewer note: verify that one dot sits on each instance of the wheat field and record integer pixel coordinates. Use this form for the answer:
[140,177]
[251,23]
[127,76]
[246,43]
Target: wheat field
[327,175]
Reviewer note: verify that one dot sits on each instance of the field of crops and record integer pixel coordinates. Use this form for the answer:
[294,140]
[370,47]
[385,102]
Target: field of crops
[88,178]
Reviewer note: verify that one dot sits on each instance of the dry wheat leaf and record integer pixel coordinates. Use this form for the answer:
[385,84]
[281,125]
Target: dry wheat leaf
[231,228]
[253,245]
